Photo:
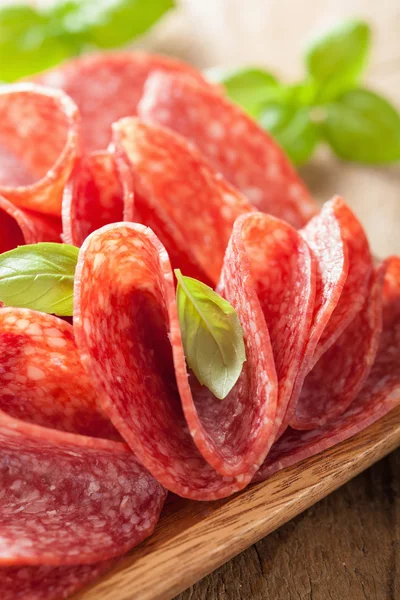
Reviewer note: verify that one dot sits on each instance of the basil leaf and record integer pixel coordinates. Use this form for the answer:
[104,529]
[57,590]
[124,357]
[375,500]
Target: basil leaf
[112,23]
[248,87]
[336,59]
[212,335]
[37,39]
[28,43]
[293,129]
[39,276]
[362,126]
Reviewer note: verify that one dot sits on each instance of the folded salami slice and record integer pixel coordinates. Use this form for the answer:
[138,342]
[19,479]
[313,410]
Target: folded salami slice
[189,206]
[34,165]
[18,227]
[48,583]
[42,380]
[92,198]
[337,377]
[107,87]
[379,395]
[283,276]
[128,334]
[357,284]
[233,143]
[334,379]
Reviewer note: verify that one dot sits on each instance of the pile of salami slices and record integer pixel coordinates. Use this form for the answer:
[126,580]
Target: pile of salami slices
[146,167]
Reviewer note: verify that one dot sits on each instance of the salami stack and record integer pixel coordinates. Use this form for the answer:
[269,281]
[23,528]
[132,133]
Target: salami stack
[146,167]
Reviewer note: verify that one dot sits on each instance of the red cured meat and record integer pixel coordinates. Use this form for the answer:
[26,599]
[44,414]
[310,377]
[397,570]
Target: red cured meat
[233,143]
[66,498]
[92,198]
[42,380]
[337,377]
[359,272]
[48,583]
[69,499]
[380,393]
[107,87]
[40,163]
[190,207]
[344,268]
[283,275]
[128,334]
[18,227]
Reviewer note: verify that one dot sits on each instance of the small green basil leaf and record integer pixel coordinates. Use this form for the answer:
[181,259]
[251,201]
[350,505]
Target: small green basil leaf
[363,127]
[28,43]
[336,59]
[112,23]
[39,276]
[248,87]
[292,128]
[212,335]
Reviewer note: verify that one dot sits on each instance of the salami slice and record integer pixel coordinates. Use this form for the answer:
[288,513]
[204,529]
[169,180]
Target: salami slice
[380,393]
[18,227]
[128,334]
[338,302]
[337,377]
[34,165]
[352,296]
[48,583]
[69,499]
[107,87]
[233,143]
[190,207]
[283,275]
[92,198]
[42,380]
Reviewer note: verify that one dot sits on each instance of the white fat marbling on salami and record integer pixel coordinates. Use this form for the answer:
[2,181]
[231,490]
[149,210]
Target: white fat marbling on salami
[189,206]
[233,143]
[42,380]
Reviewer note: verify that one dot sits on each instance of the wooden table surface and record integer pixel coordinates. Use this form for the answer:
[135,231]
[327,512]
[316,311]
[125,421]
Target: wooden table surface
[347,547]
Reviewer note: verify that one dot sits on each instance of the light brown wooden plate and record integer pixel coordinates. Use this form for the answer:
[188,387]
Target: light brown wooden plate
[194,538]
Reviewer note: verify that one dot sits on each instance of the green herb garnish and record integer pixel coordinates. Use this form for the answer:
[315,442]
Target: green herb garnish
[34,39]
[212,335]
[328,106]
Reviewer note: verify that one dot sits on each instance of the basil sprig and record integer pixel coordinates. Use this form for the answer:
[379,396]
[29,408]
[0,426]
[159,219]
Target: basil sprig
[329,106]
[39,38]
[212,335]
[39,276]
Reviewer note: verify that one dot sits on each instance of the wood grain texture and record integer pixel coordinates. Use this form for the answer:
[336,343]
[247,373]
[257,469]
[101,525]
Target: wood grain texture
[192,538]
[346,547]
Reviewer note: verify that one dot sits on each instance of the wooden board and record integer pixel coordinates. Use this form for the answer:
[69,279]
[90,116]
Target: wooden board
[194,538]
